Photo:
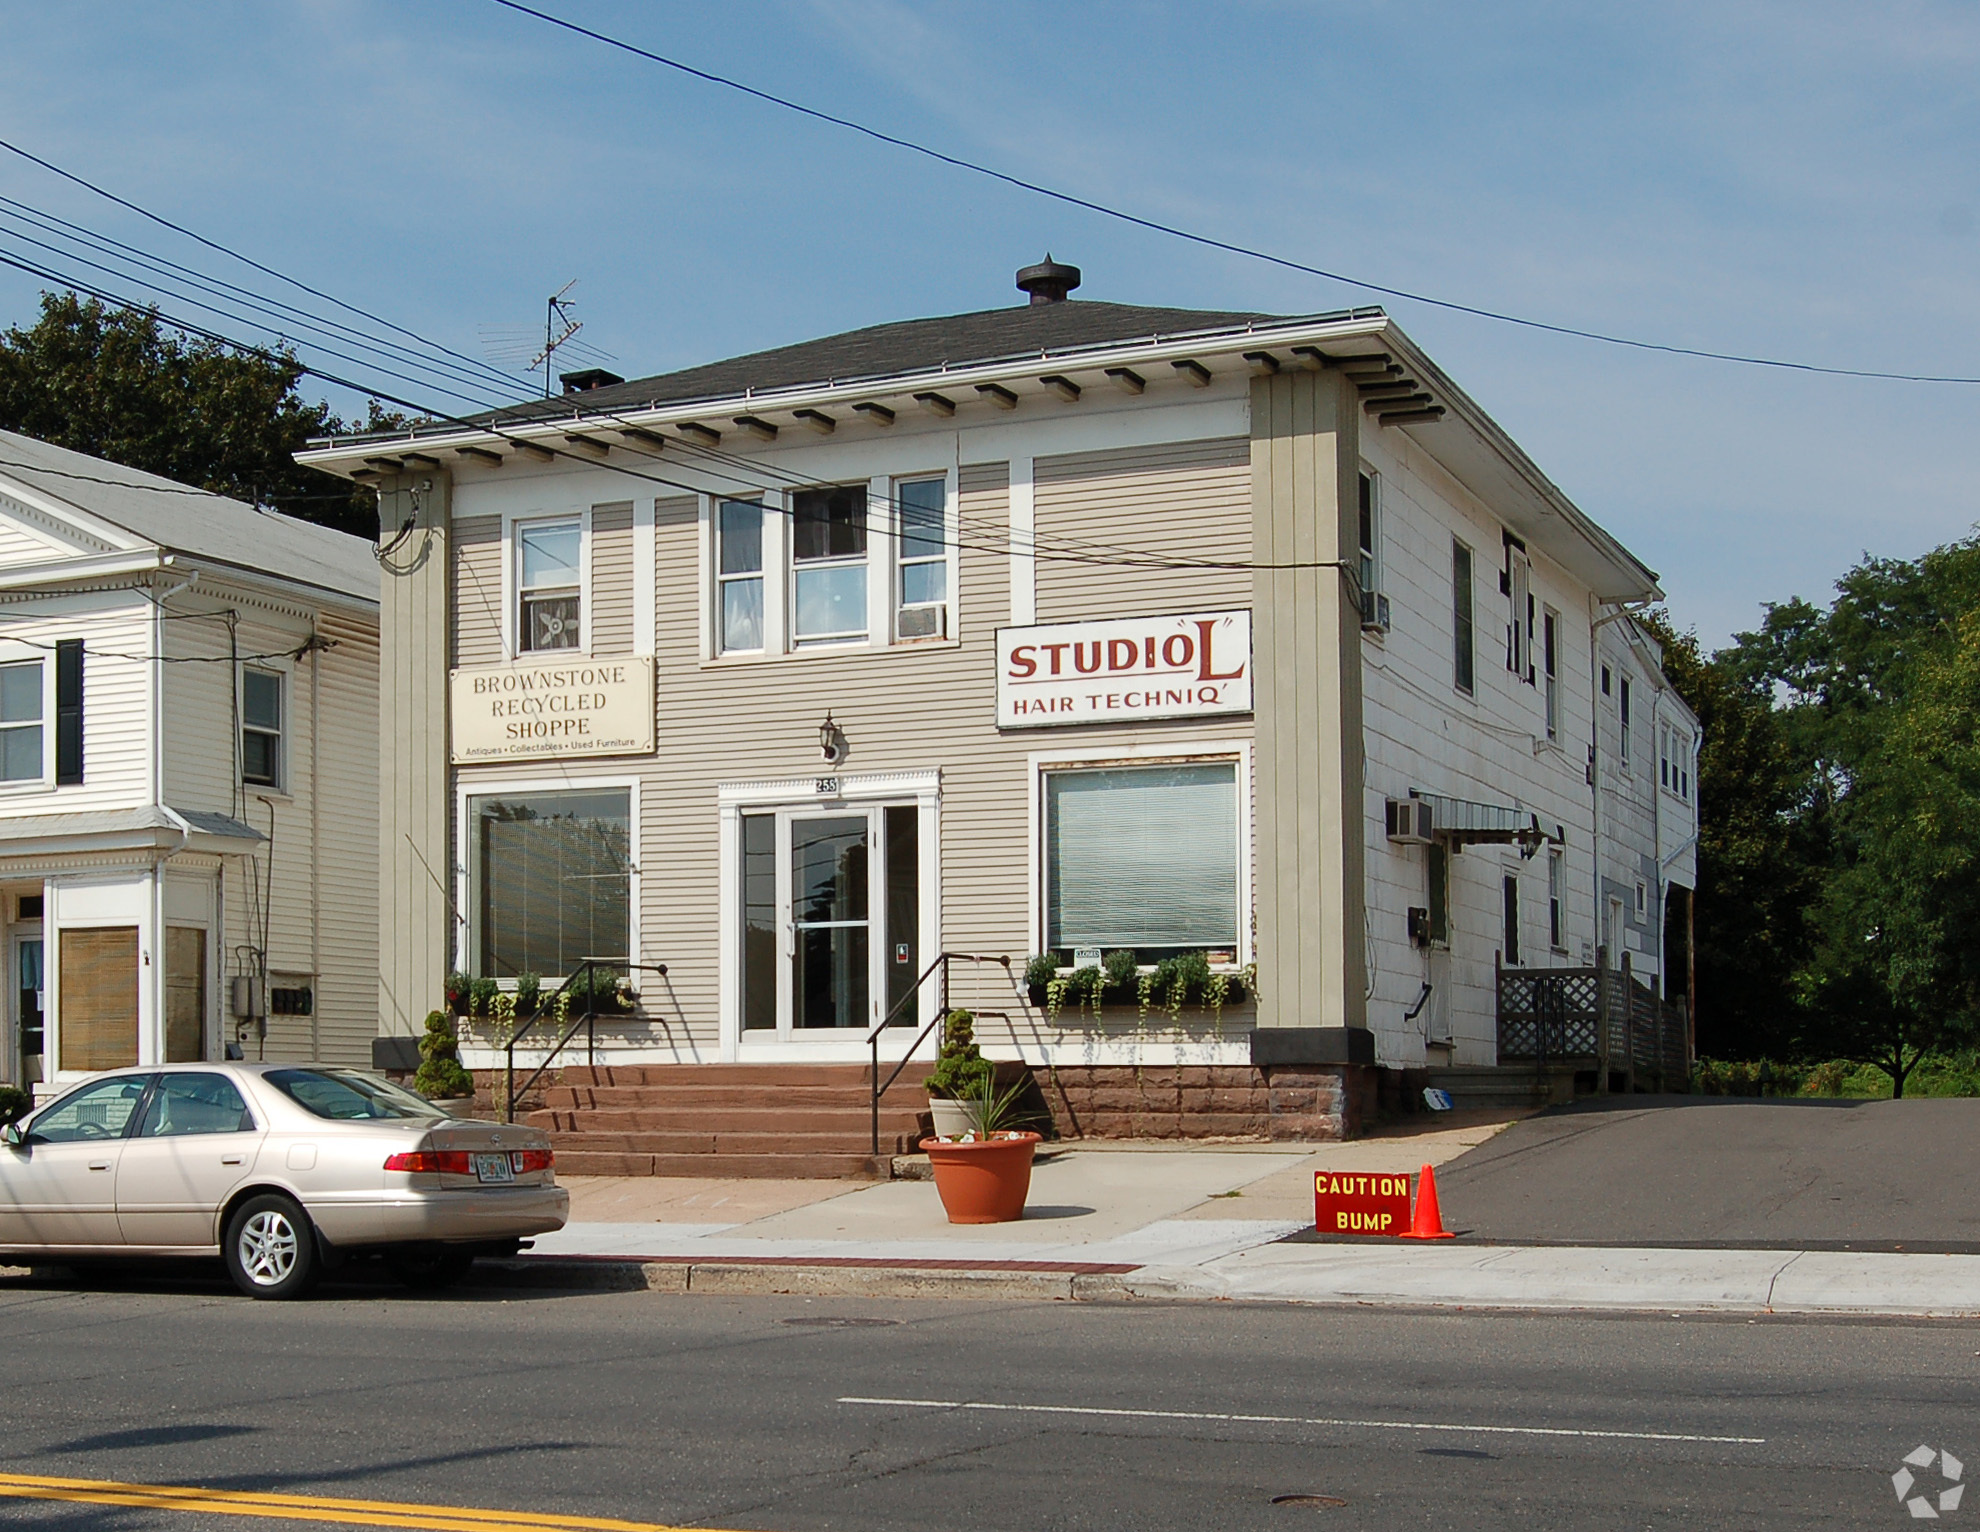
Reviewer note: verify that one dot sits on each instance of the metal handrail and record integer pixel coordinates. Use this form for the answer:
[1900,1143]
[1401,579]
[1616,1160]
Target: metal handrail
[942,961]
[588,968]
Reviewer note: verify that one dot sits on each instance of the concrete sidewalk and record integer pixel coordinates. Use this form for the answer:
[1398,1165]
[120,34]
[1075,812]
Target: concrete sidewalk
[1182,1221]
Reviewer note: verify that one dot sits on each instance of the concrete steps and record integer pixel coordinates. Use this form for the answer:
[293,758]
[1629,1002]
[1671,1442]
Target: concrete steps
[787,1120]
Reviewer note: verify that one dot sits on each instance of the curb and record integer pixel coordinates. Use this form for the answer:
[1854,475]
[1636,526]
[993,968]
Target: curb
[810,1279]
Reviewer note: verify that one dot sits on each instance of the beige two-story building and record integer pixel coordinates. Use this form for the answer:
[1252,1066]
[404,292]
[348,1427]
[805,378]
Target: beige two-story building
[1072,634]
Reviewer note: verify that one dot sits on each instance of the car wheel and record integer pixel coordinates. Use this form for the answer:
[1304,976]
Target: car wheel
[271,1248]
[430,1269]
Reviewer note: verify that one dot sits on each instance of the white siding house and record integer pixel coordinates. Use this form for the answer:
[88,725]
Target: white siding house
[188,774]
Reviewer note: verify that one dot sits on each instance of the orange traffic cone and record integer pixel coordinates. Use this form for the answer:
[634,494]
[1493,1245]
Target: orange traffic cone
[1429,1220]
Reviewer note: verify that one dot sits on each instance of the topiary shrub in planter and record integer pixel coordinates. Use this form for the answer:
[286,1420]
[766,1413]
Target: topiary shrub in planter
[961,1073]
[440,1076]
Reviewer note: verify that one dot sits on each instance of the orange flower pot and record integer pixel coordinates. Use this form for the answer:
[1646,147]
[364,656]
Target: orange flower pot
[986,1181]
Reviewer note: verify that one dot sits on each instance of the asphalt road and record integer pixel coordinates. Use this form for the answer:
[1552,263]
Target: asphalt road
[732,1413]
[1698,1170]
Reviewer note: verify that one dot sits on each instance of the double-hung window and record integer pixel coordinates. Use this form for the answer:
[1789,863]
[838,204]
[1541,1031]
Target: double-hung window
[739,576]
[1622,717]
[550,559]
[1369,536]
[828,564]
[1465,646]
[21,704]
[922,508]
[1550,664]
[1142,858]
[1556,922]
[261,728]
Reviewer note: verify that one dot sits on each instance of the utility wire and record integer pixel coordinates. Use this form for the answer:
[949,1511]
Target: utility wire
[230,253]
[1210,241]
[1002,546]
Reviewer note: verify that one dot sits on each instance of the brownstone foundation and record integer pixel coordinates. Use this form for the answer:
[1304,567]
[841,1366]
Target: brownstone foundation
[1303,1102]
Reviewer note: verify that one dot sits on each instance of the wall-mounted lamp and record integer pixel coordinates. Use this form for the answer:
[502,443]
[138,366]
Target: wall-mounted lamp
[832,741]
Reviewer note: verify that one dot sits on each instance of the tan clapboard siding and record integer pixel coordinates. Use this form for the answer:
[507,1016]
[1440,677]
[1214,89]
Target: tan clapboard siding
[908,708]
[1185,500]
[478,590]
[347,845]
[611,625]
[116,701]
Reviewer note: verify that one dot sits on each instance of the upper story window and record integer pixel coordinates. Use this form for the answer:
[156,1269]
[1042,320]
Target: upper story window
[261,727]
[739,576]
[1464,673]
[828,564]
[923,508]
[21,703]
[1622,715]
[1550,667]
[550,561]
[1674,762]
[1369,534]
[1519,629]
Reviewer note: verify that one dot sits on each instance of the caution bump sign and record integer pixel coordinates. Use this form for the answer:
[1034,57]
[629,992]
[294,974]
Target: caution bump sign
[1358,1203]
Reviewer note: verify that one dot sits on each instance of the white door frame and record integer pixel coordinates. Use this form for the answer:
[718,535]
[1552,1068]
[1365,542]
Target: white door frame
[807,798]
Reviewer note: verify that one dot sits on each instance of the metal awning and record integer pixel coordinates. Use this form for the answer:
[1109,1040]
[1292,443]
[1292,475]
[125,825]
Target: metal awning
[1458,823]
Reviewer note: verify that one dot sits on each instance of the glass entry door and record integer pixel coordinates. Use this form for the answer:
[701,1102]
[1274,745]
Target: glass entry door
[831,917]
[29,989]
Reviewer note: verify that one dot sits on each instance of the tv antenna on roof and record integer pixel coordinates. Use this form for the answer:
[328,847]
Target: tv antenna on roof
[556,312]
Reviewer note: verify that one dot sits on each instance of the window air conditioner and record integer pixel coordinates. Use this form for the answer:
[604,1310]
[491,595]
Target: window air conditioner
[1374,612]
[924,622]
[1410,822]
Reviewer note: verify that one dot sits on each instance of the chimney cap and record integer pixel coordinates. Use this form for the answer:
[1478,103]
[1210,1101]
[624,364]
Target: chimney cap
[1049,281]
[586,379]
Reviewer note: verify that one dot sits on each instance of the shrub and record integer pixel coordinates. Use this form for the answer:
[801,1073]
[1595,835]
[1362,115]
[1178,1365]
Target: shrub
[1122,970]
[440,1072]
[15,1104]
[1040,969]
[961,1071]
[481,996]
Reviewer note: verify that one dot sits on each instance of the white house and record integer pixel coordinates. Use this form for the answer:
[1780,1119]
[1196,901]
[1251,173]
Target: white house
[188,774]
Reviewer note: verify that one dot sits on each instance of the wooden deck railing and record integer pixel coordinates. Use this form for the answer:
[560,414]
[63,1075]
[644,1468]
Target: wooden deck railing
[1602,1016]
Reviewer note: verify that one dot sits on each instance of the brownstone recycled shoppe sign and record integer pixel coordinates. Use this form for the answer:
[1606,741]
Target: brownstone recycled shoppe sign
[1186,666]
[538,711]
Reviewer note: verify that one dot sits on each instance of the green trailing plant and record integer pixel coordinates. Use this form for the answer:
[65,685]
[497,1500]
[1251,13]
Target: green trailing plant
[960,1067]
[15,1104]
[529,994]
[1122,970]
[440,1073]
[481,996]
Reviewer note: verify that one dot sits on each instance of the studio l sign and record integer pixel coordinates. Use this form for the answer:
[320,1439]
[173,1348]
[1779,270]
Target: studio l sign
[1115,672]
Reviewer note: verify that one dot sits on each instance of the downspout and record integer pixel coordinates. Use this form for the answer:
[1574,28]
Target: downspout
[315,850]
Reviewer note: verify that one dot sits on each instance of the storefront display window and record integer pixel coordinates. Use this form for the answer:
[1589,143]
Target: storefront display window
[552,880]
[1143,858]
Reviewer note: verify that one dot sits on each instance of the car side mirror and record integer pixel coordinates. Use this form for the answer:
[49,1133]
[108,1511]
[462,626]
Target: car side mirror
[13,1135]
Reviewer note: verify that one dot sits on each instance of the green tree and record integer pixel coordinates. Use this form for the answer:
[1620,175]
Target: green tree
[1760,859]
[117,384]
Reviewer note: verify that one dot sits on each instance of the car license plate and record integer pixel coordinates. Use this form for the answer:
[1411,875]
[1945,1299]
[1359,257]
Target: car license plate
[493,1167]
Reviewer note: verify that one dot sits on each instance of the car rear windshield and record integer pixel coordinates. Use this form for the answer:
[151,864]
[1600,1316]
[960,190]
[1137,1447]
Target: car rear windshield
[345,1095]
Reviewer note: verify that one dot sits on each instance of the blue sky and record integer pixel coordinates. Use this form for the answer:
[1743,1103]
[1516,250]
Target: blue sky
[1795,179]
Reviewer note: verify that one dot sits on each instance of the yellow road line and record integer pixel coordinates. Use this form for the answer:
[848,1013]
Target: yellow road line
[365,1513]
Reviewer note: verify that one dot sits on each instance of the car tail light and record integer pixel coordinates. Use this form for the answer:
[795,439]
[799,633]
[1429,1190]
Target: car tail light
[452,1162]
[527,1160]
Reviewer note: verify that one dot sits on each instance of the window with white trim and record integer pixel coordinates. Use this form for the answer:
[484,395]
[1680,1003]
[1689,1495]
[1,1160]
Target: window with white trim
[1142,858]
[1674,762]
[1369,533]
[21,714]
[550,878]
[549,581]
[261,727]
[1550,664]
[1556,901]
[739,576]
[922,509]
[828,565]
[1622,715]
